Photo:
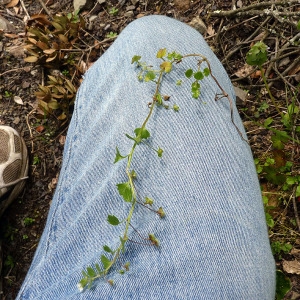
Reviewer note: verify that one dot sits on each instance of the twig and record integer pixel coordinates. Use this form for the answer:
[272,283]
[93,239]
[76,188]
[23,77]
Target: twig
[43,7]
[12,70]
[89,47]
[245,10]
[267,12]
[46,9]
[24,8]
[29,128]
[224,28]
[247,41]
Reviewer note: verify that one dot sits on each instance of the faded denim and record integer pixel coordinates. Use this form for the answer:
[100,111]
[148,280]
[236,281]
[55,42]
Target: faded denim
[214,241]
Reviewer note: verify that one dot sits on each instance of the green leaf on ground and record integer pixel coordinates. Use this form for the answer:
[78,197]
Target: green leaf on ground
[269,220]
[268,122]
[273,176]
[257,55]
[298,191]
[283,285]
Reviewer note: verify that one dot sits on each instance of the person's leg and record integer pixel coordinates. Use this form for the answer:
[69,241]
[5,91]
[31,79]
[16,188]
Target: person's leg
[214,242]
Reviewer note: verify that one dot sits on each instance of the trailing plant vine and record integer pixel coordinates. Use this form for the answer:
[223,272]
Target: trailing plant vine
[127,190]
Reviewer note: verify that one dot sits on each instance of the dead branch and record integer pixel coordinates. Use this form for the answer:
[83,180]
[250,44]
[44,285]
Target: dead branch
[12,70]
[253,7]
[24,8]
[45,9]
[247,41]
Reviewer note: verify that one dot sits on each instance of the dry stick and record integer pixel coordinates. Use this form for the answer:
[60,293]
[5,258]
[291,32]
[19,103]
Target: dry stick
[284,20]
[247,41]
[281,49]
[46,9]
[286,71]
[271,64]
[235,12]
[29,128]
[294,189]
[272,60]
[277,71]
[23,6]
[12,70]
[224,28]
[43,7]
[90,47]
[219,31]
[267,12]
[51,141]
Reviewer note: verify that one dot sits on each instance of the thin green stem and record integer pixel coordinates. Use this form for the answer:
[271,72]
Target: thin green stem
[134,200]
[157,100]
[268,89]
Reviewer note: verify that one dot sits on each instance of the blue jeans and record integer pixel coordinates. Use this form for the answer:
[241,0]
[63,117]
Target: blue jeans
[214,240]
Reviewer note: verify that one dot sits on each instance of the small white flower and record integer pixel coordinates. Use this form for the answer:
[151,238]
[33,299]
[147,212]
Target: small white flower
[80,287]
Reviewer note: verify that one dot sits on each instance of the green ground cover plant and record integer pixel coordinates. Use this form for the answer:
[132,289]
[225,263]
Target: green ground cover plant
[283,180]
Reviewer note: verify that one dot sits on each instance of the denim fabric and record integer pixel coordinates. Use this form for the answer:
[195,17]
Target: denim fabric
[214,241]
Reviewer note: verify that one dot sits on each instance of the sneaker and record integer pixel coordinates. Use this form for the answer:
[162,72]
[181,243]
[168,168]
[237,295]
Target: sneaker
[13,166]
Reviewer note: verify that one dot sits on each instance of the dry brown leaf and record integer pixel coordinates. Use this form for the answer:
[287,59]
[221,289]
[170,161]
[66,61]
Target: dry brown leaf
[63,38]
[49,51]
[40,128]
[12,3]
[16,51]
[291,267]
[51,58]
[42,45]
[256,74]
[295,70]
[62,139]
[31,59]
[16,9]
[239,4]
[244,71]
[18,100]
[40,18]
[62,117]
[11,35]
[210,30]
[182,4]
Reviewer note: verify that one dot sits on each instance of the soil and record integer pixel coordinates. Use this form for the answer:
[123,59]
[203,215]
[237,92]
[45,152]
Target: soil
[23,222]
